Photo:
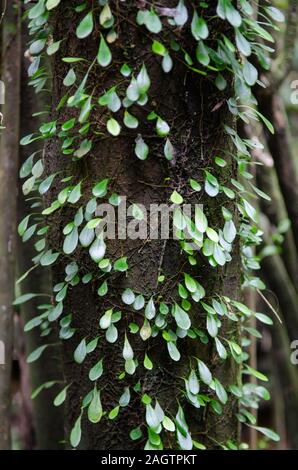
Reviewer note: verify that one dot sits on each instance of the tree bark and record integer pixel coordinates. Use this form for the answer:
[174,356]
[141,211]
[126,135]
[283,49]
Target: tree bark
[186,101]
[11,43]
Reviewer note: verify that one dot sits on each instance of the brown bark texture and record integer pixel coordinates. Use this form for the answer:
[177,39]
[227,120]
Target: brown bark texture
[186,101]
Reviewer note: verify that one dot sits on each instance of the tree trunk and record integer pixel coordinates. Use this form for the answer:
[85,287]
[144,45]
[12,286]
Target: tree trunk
[186,101]
[8,196]
[48,420]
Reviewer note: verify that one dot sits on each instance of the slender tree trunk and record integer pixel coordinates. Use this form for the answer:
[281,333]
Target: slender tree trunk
[48,420]
[11,42]
[186,101]
[270,104]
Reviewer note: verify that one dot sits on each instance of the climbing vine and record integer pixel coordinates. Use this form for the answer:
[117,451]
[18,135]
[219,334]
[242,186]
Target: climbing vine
[221,59]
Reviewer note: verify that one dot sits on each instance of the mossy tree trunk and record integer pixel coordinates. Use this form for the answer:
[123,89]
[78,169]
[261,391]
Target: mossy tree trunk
[196,112]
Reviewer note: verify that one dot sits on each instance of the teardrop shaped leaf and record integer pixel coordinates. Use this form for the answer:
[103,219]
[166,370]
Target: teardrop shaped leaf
[104,56]
[86,26]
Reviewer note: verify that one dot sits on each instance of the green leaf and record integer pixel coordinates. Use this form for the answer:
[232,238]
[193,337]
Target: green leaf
[70,78]
[113,127]
[190,283]
[202,54]
[151,417]
[97,250]
[55,312]
[103,289]
[76,433]
[150,309]
[111,100]
[80,352]
[125,397]
[255,373]
[95,408]
[265,121]
[167,63]
[121,265]
[147,363]
[193,383]
[106,319]
[84,148]
[275,14]
[91,346]
[130,121]
[52,4]
[195,185]
[135,434]
[127,352]
[168,424]
[130,366]
[250,73]
[86,110]
[104,56]
[211,186]
[139,302]
[229,231]
[141,148]
[199,27]
[128,297]
[267,432]
[24,298]
[111,334]
[204,372]
[201,222]
[158,48]
[145,331]
[114,412]
[183,436]
[143,80]
[162,127]
[46,184]
[232,15]
[211,325]
[222,352]
[53,48]
[181,317]
[34,355]
[152,21]
[181,14]
[173,351]
[85,27]
[100,189]
[60,398]
[264,318]
[242,44]
[125,70]
[220,392]
[176,198]
[37,46]
[33,323]
[169,150]
[71,241]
